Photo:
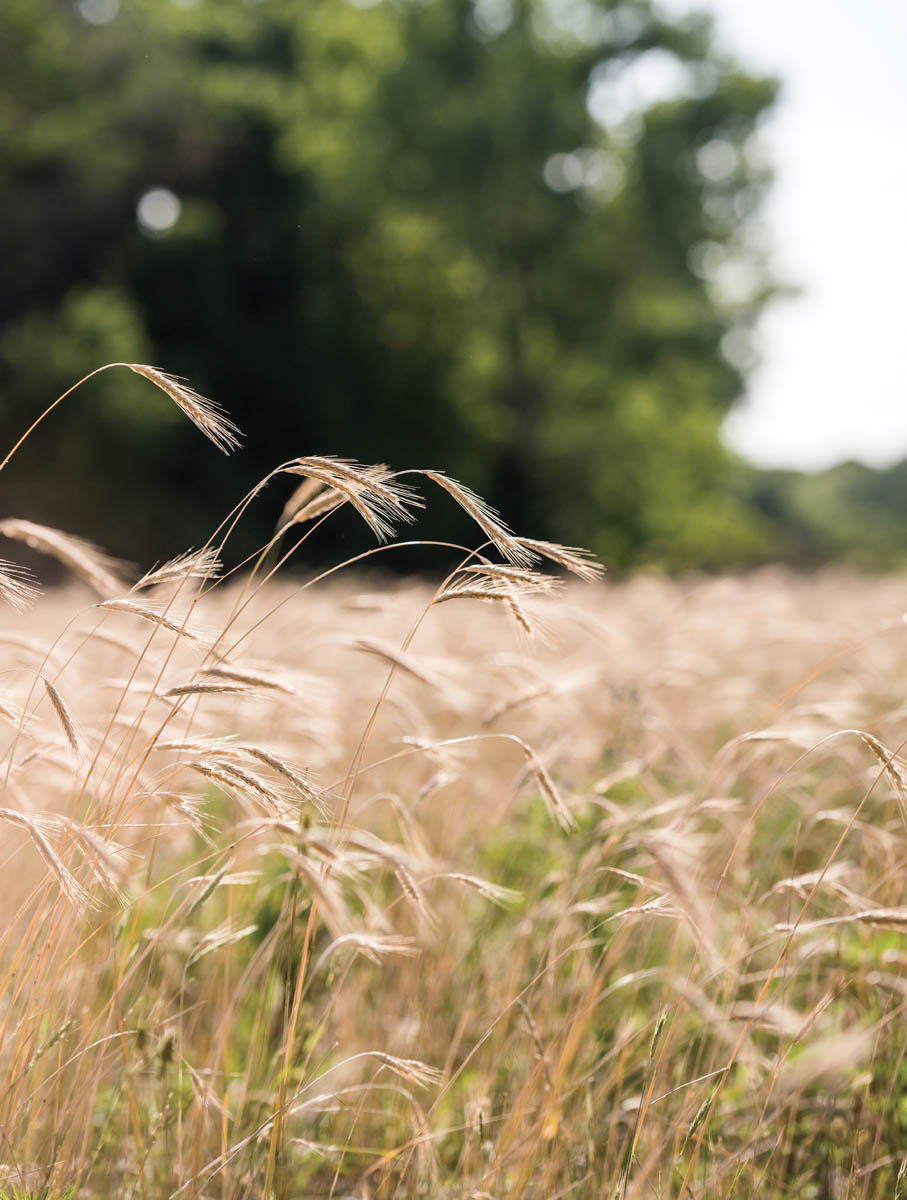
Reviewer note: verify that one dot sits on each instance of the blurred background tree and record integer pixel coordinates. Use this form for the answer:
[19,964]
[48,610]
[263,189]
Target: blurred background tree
[513,239]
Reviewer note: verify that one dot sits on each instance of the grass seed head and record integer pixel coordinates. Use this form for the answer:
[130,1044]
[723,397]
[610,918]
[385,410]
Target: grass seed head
[205,414]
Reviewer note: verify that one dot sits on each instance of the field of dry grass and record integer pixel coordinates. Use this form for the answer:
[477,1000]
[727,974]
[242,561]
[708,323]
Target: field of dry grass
[501,888]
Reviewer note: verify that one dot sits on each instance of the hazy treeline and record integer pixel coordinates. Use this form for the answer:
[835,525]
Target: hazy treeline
[511,238]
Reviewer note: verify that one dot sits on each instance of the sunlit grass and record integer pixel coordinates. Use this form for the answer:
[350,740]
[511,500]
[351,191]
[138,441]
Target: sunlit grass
[324,888]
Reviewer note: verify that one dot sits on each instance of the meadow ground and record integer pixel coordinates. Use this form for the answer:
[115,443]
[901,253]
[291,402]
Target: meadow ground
[617,910]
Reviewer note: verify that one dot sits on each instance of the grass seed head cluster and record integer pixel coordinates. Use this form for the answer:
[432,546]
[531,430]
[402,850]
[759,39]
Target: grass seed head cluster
[317,890]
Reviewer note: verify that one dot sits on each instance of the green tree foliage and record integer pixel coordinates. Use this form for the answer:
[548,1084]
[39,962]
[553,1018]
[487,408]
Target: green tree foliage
[509,238]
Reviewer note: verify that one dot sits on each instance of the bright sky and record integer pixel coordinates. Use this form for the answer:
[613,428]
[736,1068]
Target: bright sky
[833,380]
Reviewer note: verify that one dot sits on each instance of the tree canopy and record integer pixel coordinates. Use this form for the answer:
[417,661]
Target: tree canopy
[513,239]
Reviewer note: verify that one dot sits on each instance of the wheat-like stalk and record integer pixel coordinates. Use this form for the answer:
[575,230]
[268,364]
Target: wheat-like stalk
[244,782]
[410,1069]
[372,490]
[11,712]
[208,416]
[252,677]
[16,587]
[67,720]
[157,614]
[320,506]
[494,892]
[306,789]
[194,564]
[304,494]
[549,793]
[374,946]
[573,558]
[488,520]
[107,861]
[35,828]
[497,582]
[101,572]
[204,687]
[405,662]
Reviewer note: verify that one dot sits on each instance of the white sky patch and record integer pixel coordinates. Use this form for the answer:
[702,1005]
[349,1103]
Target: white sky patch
[832,384]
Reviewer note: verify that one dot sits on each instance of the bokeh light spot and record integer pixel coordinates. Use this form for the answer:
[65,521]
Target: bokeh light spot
[158,211]
[98,12]
[491,18]
[706,258]
[717,160]
[622,88]
[564,172]
[584,168]
[737,348]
